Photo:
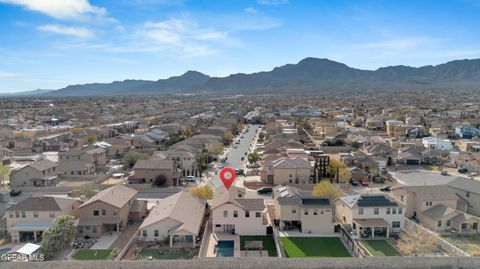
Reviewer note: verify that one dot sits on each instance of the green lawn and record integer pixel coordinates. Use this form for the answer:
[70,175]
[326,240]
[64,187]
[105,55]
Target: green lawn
[380,248]
[318,247]
[92,254]
[268,243]
[166,254]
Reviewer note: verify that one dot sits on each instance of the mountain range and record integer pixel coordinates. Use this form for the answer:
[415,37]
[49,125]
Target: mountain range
[309,76]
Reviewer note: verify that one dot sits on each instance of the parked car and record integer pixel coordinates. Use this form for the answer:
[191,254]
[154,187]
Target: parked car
[14,193]
[364,182]
[354,182]
[220,166]
[264,190]
[462,170]
[444,173]
[243,158]
[385,188]
[191,179]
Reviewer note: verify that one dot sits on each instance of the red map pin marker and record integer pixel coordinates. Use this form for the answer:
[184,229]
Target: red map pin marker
[227,175]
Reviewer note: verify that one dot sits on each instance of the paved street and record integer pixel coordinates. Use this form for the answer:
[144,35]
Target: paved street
[234,155]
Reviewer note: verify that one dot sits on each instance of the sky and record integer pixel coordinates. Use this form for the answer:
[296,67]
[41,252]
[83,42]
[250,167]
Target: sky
[49,44]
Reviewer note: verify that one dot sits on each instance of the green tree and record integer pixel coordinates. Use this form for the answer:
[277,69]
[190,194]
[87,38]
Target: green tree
[4,173]
[205,192]
[253,157]
[58,235]
[261,136]
[131,157]
[325,189]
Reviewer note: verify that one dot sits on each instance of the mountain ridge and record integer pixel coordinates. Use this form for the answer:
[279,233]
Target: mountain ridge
[309,75]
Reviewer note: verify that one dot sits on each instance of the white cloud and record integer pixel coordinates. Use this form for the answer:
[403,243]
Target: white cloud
[4,74]
[251,10]
[61,9]
[66,30]
[272,2]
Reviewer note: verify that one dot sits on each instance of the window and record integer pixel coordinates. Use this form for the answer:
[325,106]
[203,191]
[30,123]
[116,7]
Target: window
[95,212]
[87,228]
[376,211]
[294,211]
[449,223]
[305,212]
[395,224]
[225,213]
[114,212]
[10,214]
[24,214]
[388,211]
[467,194]
[35,214]
[80,229]
[144,233]
[401,198]
[104,212]
[315,211]
[218,225]
[247,214]
[94,229]
[439,223]
[235,214]
[17,214]
[360,211]
[258,214]
[400,210]
[464,226]
[394,211]
[155,233]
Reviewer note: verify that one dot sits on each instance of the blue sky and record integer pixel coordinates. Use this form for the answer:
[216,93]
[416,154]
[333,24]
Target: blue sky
[50,44]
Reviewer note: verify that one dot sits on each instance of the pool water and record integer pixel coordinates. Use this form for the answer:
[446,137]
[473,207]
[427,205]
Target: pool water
[225,248]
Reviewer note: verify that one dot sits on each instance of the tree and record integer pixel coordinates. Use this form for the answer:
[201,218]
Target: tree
[253,157]
[58,235]
[205,192]
[228,138]
[343,173]
[325,189]
[417,243]
[131,157]
[4,173]
[216,148]
[92,138]
[261,137]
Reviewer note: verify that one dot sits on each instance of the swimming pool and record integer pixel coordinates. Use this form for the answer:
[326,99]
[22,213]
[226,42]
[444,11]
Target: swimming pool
[224,248]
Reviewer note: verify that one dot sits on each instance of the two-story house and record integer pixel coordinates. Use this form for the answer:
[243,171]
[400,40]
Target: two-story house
[234,214]
[107,211]
[371,215]
[435,207]
[39,174]
[28,219]
[162,172]
[184,160]
[309,215]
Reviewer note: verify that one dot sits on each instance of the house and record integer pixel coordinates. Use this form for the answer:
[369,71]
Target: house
[232,213]
[37,174]
[467,131]
[162,172]
[6,156]
[118,147]
[310,215]
[468,190]
[371,215]
[107,211]
[80,162]
[437,143]
[28,219]
[435,207]
[185,160]
[288,171]
[178,218]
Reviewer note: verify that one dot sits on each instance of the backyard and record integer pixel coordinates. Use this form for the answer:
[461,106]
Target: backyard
[92,254]
[467,243]
[267,241]
[167,254]
[380,248]
[318,247]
